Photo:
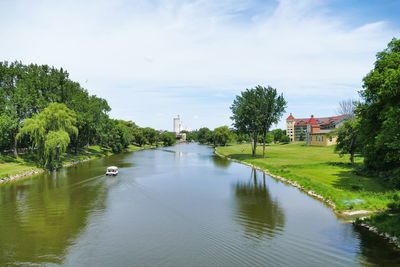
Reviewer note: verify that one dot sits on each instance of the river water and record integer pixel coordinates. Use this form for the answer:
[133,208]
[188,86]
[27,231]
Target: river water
[176,206]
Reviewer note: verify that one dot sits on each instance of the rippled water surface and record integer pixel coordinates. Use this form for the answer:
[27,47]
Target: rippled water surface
[177,206]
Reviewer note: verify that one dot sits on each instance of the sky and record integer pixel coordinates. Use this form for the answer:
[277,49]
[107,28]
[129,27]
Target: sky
[154,59]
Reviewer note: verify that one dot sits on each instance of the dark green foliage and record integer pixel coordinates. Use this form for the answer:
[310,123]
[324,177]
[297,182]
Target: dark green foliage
[348,141]
[222,135]
[278,135]
[379,114]
[284,139]
[269,138]
[8,127]
[138,137]
[395,205]
[204,135]
[26,90]
[255,111]
[119,135]
[151,135]
[241,137]
[49,132]
[386,223]
[246,118]
[168,138]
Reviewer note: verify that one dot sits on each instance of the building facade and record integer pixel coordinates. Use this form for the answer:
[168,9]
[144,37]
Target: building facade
[323,138]
[314,131]
[290,127]
[177,126]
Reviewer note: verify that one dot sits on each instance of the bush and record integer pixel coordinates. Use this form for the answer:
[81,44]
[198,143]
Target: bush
[285,139]
[395,206]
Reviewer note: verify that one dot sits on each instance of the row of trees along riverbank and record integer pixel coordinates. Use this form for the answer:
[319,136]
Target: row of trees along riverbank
[44,113]
[372,133]
[223,135]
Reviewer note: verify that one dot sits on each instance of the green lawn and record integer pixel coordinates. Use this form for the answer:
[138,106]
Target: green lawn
[91,152]
[318,169]
[133,148]
[11,166]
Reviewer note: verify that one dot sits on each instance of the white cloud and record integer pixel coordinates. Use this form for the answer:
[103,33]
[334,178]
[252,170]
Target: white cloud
[133,53]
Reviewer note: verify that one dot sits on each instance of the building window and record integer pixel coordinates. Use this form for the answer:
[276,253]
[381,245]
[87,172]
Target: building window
[330,139]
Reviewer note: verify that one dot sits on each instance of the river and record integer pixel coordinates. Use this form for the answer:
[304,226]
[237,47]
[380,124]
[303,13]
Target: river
[175,206]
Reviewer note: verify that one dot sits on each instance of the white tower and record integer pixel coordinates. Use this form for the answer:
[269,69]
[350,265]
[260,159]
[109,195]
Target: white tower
[290,121]
[177,125]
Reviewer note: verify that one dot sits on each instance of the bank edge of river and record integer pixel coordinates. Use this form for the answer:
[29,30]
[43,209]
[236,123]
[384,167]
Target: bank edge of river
[29,173]
[19,176]
[349,216]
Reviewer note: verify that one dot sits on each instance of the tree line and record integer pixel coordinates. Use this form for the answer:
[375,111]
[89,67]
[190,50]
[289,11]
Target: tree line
[44,112]
[223,135]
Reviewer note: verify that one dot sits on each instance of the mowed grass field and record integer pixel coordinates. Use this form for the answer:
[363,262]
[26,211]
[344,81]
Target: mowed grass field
[321,170]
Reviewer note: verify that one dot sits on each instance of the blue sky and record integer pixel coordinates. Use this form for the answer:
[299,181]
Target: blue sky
[154,59]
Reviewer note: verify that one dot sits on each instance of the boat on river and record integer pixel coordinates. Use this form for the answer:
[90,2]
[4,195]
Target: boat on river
[112,171]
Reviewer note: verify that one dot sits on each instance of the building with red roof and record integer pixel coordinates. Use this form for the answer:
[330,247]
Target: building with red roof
[301,129]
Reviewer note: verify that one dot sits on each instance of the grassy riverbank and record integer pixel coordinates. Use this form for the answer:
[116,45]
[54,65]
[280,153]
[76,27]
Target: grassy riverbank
[24,165]
[320,170]
[10,167]
[385,223]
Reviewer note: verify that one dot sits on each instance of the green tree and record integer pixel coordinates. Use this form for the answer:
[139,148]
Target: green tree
[278,134]
[8,126]
[222,135]
[15,99]
[284,139]
[272,107]
[26,90]
[168,138]
[246,117]
[151,135]
[348,139]
[49,132]
[255,110]
[204,135]
[380,112]
[241,137]
[92,118]
[138,137]
[118,134]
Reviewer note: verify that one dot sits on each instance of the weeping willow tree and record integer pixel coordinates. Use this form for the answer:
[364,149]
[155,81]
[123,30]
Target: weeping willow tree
[49,133]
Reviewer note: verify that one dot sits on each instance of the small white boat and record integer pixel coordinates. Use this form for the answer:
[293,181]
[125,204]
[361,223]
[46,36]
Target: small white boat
[112,171]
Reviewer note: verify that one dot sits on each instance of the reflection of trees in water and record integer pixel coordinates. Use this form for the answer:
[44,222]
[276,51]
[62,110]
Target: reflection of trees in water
[39,221]
[375,250]
[256,211]
[221,162]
